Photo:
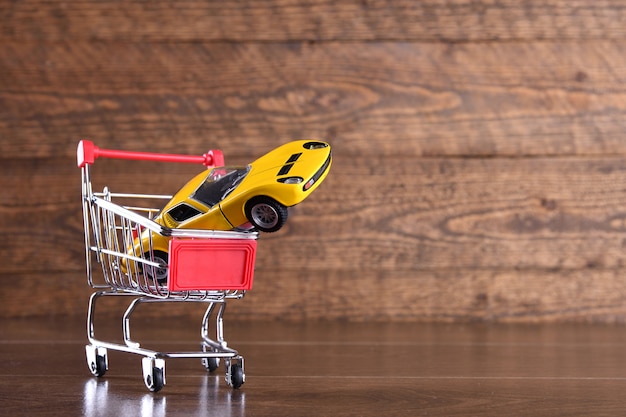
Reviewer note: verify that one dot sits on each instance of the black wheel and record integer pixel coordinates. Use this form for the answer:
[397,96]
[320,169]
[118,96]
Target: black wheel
[237,377]
[157,273]
[211,364]
[96,360]
[155,381]
[266,214]
[99,366]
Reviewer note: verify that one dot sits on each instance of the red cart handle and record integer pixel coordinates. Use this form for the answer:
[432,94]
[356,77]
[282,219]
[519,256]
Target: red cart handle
[87,153]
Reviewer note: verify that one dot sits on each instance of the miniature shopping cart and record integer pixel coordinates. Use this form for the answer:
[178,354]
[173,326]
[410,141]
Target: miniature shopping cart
[203,266]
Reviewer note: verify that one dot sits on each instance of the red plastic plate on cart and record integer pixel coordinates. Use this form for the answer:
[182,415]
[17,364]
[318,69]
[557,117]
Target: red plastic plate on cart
[211,264]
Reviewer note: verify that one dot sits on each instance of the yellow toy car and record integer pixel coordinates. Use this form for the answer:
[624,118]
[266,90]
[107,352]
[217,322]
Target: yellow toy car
[252,197]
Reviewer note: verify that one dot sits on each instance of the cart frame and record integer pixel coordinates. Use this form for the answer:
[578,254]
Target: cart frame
[112,231]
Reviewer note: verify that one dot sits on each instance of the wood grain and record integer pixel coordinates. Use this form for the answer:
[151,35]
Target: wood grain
[325,368]
[410,214]
[479,150]
[301,295]
[318,20]
[443,295]
[385,98]
[445,239]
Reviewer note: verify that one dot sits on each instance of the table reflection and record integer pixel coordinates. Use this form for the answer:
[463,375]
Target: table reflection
[104,398]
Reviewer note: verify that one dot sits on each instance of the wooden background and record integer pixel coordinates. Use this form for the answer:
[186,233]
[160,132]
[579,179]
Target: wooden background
[480,147]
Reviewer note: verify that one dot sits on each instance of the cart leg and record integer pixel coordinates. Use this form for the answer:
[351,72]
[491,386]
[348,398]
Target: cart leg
[208,344]
[90,314]
[219,341]
[126,323]
[219,324]
[97,359]
[205,321]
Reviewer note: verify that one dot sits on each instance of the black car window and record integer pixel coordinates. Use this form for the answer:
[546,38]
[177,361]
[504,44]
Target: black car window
[182,212]
[219,183]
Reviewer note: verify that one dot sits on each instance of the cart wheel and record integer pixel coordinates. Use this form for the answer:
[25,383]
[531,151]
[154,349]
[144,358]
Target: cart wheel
[100,367]
[235,376]
[155,381]
[97,360]
[153,373]
[211,364]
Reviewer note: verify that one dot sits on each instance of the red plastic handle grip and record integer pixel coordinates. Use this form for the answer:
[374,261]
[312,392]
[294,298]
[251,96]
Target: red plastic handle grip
[87,153]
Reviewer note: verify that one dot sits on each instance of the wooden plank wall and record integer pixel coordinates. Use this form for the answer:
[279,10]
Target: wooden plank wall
[480,147]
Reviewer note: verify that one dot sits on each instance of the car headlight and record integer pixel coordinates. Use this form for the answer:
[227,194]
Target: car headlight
[291,180]
[315,145]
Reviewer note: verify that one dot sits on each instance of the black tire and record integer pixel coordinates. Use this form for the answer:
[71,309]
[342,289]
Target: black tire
[155,382]
[237,377]
[211,364]
[157,274]
[266,214]
[99,367]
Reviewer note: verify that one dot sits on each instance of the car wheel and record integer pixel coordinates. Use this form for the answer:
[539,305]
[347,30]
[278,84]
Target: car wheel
[266,214]
[158,274]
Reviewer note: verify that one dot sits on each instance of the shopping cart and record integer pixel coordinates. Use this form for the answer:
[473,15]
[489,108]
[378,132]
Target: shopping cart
[202,266]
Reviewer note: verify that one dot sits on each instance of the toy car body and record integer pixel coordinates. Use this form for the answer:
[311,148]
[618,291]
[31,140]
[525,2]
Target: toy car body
[254,196]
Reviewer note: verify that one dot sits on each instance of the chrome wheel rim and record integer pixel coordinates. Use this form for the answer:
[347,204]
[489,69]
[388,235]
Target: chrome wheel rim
[264,215]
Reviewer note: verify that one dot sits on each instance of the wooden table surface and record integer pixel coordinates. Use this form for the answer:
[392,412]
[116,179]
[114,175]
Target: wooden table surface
[323,369]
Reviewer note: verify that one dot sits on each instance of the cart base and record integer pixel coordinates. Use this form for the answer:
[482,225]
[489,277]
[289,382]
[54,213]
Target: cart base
[212,352]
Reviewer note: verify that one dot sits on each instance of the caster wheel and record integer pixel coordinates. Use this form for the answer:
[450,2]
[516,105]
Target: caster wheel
[235,376]
[153,373]
[97,360]
[211,364]
[155,381]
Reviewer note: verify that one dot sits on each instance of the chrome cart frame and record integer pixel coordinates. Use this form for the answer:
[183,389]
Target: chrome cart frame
[112,232]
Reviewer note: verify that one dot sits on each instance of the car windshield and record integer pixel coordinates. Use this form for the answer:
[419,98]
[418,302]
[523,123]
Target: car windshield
[218,184]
